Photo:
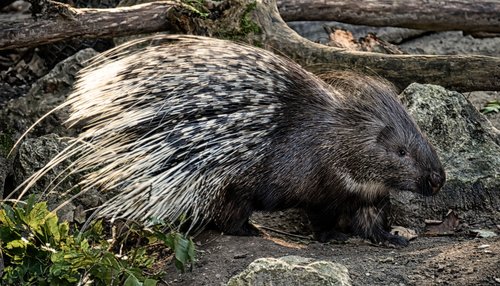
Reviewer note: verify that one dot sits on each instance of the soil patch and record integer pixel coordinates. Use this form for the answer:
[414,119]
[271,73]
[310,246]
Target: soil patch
[427,261]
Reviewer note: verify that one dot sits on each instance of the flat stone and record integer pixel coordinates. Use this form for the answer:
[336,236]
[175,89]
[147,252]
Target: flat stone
[292,270]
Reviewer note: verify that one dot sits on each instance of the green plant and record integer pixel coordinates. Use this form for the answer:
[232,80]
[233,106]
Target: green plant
[184,250]
[246,22]
[39,250]
[197,7]
[490,107]
[241,31]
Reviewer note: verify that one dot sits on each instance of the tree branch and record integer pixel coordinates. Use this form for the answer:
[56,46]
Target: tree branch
[64,22]
[465,15]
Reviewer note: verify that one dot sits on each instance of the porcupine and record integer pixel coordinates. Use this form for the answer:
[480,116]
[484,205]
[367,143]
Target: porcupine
[187,125]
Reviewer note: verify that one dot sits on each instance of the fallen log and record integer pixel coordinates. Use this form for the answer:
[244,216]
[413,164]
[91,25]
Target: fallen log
[465,15]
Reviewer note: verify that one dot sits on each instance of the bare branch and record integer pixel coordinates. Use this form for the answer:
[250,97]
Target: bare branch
[466,15]
[69,22]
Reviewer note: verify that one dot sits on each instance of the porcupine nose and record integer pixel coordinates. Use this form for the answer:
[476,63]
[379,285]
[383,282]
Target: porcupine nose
[436,180]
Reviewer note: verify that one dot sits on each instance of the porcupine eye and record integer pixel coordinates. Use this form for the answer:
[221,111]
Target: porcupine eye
[402,152]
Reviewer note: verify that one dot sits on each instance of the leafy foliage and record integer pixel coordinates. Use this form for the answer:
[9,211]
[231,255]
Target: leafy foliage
[197,7]
[492,106]
[184,250]
[38,250]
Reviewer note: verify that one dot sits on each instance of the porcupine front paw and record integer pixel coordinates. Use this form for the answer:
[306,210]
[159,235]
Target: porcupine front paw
[389,239]
[369,222]
[398,241]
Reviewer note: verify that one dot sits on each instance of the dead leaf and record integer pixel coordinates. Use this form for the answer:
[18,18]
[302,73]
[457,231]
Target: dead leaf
[371,43]
[341,38]
[284,243]
[446,227]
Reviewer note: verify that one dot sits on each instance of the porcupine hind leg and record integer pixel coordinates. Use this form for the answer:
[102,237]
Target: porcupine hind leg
[370,222]
[324,226]
[233,214]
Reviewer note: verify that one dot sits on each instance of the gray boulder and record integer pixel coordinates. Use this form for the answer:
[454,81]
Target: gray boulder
[469,147]
[17,115]
[290,271]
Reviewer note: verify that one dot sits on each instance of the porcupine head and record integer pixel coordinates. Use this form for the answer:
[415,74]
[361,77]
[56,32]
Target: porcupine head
[372,147]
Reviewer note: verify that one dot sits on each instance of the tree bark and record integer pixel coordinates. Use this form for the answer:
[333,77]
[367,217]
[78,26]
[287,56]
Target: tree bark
[465,15]
[66,22]
[462,73]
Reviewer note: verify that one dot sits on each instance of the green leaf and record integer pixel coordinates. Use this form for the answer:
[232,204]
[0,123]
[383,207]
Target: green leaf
[109,259]
[490,109]
[4,218]
[30,203]
[36,217]
[150,282]
[191,250]
[492,106]
[7,216]
[95,231]
[18,243]
[84,245]
[183,248]
[51,227]
[64,229]
[71,255]
[57,257]
[57,269]
[132,281]
[7,234]
[169,239]
[184,251]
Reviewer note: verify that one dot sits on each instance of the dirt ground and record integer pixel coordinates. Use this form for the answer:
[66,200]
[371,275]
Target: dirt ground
[427,261]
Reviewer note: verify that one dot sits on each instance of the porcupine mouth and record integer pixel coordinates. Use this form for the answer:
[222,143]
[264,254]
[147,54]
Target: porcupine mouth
[421,187]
